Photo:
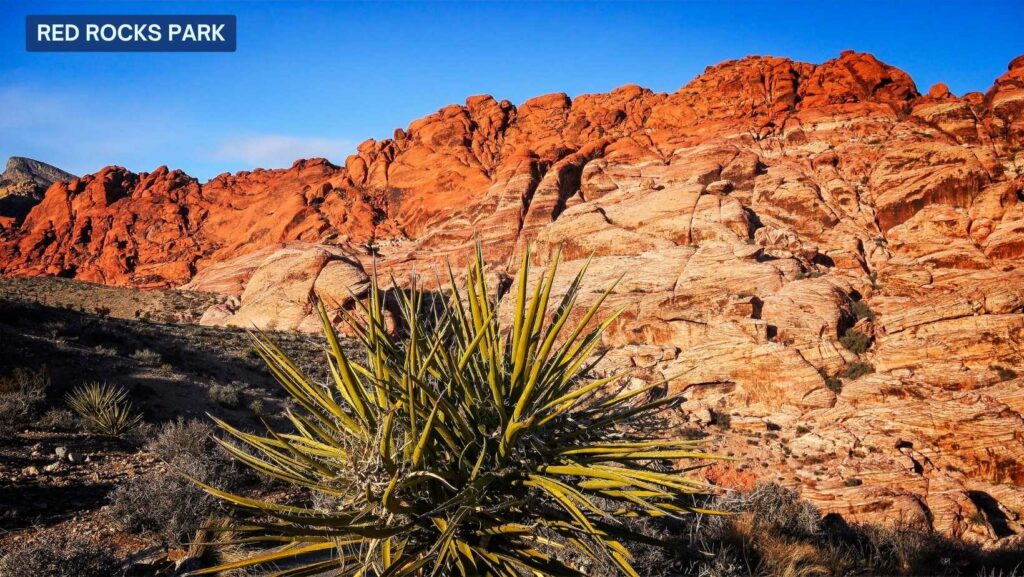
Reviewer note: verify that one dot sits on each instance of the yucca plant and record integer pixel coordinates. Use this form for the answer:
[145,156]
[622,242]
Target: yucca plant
[104,408]
[461,447]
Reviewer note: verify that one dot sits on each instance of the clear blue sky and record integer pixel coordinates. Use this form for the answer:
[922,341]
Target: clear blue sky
[317,78]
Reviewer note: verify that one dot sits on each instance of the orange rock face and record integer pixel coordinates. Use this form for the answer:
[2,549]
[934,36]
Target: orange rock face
[832,261]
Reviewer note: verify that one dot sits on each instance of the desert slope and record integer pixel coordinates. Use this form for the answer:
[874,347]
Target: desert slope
[833,260]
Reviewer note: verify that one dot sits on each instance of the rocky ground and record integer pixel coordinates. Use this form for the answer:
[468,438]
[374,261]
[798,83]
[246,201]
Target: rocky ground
[55,479]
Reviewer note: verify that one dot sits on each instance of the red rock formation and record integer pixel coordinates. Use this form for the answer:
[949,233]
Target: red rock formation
[158,229]
[759,212]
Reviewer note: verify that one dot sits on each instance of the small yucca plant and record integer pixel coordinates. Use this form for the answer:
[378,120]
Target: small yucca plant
[461,447]
[104,408]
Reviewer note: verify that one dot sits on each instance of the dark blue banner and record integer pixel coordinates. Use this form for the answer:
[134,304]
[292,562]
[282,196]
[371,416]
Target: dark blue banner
[122,33]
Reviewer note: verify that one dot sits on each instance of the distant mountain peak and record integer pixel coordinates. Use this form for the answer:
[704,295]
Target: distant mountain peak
[20,168]
[22,186]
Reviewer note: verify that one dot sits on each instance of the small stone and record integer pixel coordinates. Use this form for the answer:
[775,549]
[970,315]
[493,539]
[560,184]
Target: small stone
[51,467]
[30,470]
[61,452]
[74,457]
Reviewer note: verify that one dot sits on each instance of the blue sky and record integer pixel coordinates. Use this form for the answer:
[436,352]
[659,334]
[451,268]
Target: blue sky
[317,78]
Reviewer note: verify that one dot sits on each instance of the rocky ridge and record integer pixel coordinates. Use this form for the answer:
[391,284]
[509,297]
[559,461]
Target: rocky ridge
[831,259]
[22,186]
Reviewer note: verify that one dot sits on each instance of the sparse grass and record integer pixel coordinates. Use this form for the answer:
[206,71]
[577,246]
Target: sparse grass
[855,341]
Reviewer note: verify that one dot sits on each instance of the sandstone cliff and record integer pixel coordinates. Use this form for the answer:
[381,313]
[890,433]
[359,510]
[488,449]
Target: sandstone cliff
[833,261]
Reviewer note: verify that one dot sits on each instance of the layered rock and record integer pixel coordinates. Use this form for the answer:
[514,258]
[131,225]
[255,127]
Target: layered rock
[826,260]
[274,288]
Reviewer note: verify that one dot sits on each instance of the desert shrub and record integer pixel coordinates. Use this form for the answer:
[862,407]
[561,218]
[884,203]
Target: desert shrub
[833,383]
[257,407]
[22,394]
[721,419]
[857,370]
[26,381]
[163,503]
[906,549]
[855,341]
[59,555]
[17,411]
[105,351]
[104,408]
[58,420]
[229,396]
[861,310]
[1005,373]
[189,447]
[166,502]
[460,448]
[147,356]
[183,441]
